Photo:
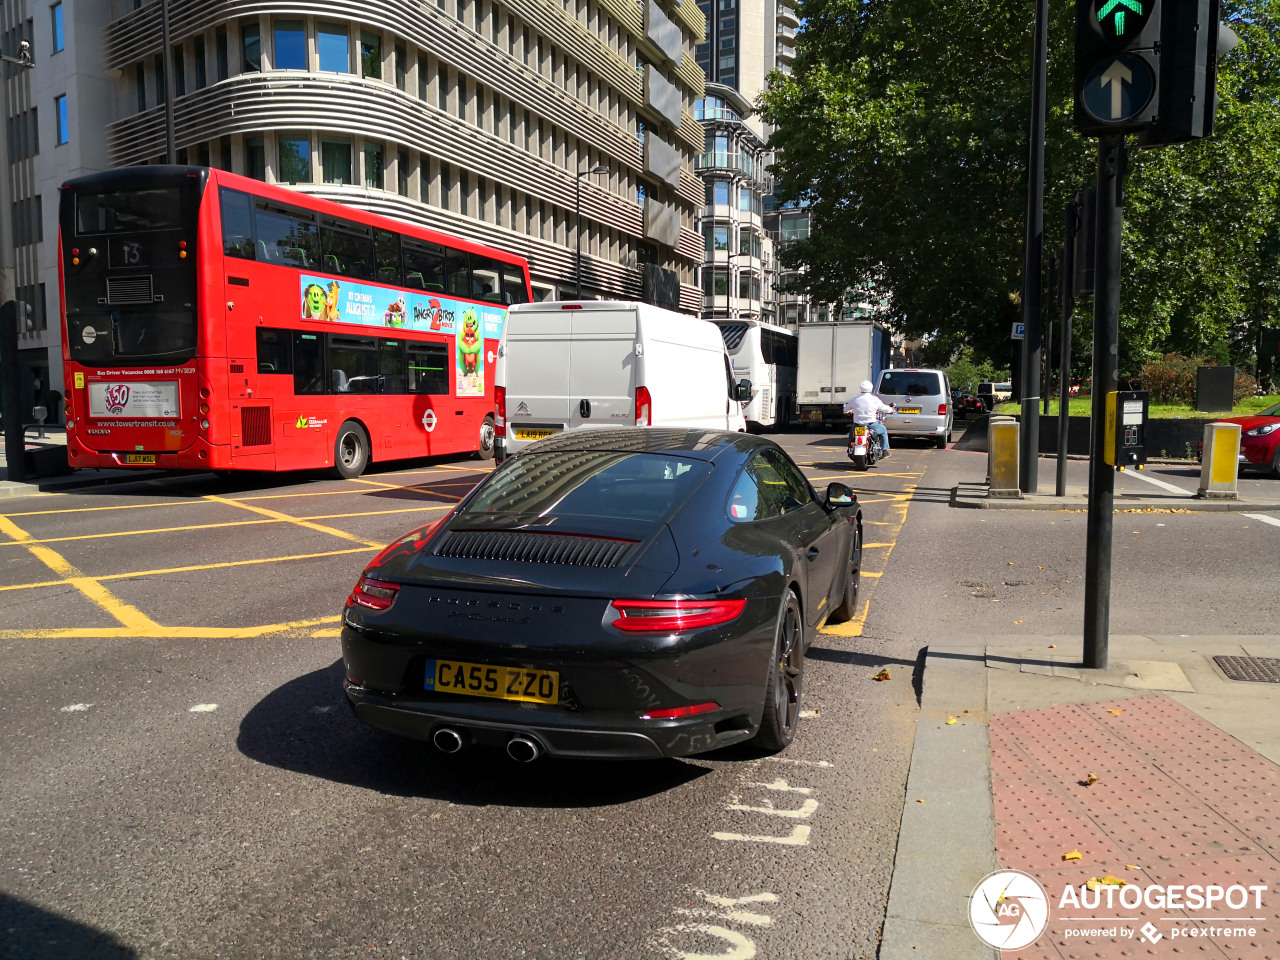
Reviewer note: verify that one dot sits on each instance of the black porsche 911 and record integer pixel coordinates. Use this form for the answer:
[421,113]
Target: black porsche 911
[624,593]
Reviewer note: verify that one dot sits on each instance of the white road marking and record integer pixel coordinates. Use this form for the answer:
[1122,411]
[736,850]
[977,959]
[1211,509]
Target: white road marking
[1265,519]
[75,708]
[740,947]
[803,812]
[802,763]
[783,786]
[203,708]
[799,837]
[1139,475]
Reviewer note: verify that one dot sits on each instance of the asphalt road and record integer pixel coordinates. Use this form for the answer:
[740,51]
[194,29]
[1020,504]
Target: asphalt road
[180,776]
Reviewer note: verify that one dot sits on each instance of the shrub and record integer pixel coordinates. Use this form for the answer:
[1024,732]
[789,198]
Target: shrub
[1171,379]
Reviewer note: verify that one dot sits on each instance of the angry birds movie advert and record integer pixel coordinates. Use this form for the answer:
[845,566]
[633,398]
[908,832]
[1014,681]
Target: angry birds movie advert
[469,324]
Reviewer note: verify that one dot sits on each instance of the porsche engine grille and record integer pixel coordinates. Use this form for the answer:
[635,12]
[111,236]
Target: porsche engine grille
[527,547]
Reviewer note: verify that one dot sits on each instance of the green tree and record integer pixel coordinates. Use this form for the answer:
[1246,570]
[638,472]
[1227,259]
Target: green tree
[904,124]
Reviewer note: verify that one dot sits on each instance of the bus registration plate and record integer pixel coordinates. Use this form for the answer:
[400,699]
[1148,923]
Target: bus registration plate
[530,433]
[500,683]
[140,458]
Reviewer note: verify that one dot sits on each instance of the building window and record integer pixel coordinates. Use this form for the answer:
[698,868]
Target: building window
[179,72]
[59,42]
[140,81]
[402,65]
[335,51]
[464,193]
[722,193]
[202,78]
[295,159]
[251,47]
[335,158]
[159,70]
[255,158]
[220,40]
[370,54]
[60,113]
[373,178]
[291,45]
[402,173]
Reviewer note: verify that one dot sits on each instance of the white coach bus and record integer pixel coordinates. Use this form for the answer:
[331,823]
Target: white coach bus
[765,355]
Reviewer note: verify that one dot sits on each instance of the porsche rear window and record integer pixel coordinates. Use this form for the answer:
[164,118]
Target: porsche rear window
[910,383]
[598,483]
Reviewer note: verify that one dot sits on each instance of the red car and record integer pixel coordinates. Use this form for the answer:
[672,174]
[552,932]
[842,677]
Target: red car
[1260,439]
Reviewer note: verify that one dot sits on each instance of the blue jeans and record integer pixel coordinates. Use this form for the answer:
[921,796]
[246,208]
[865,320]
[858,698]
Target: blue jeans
[878,428]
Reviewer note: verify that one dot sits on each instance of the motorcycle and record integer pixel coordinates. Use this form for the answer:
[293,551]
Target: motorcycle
[864,447]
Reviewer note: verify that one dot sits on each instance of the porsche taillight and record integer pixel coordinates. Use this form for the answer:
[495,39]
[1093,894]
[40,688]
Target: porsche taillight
[672,616]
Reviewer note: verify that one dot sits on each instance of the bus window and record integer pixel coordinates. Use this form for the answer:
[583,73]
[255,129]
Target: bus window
[285,236]
[457,274]
[353,364]
[391,367]
[387,246]
[486,279]
[308,364]
[237,223]
[129,211]
[423,266]
[428,368]
[514,289]
[346,249]
[274,351]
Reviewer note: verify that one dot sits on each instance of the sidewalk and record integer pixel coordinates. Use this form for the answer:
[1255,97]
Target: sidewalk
[1160,771]
[56,437]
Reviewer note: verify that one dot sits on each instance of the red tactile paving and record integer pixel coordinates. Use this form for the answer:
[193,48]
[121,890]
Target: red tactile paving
[1176,802]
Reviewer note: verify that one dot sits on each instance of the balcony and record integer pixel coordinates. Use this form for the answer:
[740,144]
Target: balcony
[787,14]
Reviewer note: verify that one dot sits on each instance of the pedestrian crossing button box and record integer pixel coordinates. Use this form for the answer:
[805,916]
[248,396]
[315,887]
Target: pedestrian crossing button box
[1126,428]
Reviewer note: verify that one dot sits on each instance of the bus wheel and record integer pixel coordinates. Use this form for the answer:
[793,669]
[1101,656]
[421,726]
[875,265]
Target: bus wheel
[486,440]
[350,451]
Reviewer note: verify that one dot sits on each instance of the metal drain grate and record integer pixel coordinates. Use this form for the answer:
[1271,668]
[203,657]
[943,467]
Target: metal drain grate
[1256,669]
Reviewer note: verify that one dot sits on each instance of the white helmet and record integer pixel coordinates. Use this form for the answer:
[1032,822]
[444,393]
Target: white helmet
[865,386]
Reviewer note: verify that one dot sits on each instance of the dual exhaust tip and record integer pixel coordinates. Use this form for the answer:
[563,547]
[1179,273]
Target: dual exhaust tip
[519,748]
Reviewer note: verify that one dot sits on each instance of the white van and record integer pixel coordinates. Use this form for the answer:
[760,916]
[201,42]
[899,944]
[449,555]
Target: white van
[599,363]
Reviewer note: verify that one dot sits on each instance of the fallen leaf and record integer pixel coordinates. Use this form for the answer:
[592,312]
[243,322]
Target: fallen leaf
[1090,780]
[1017,621]
[951,721]
[1073,855]
[919,801]
[1115,713]
[1053,646]
[1040,568]
[1110,881]
[1011,563]
[882,675]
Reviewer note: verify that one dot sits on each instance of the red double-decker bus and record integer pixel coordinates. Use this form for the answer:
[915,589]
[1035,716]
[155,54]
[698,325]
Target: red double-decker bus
[215,322]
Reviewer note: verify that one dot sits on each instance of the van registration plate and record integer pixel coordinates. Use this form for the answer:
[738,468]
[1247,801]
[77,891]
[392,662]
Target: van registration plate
[908,409]
[140,458]
[534,433]
[500,683]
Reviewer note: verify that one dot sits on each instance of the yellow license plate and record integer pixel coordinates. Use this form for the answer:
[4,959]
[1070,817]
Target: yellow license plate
[500,683]
[527,434]
[908,409]
[140,458]
[859,431]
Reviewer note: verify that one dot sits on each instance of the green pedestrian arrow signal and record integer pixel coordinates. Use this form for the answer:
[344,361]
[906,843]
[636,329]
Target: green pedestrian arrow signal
[1122,20]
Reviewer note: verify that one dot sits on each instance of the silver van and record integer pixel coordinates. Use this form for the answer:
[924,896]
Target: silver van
[924,404]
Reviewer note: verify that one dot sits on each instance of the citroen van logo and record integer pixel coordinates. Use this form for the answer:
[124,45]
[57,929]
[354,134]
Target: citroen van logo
[523,409]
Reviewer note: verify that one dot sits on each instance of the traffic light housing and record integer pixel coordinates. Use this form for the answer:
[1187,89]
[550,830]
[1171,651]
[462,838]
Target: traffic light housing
[1191,39]
[1117,64]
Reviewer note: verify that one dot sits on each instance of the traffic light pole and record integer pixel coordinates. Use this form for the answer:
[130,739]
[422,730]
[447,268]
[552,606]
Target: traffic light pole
[1112,156]
[1032,266]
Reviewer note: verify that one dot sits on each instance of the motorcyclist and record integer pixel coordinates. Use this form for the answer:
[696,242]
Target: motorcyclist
[866,408]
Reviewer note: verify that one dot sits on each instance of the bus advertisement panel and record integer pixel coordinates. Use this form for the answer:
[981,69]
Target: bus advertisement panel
[216,322]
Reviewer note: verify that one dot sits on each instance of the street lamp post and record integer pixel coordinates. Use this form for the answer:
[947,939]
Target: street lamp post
[577,216]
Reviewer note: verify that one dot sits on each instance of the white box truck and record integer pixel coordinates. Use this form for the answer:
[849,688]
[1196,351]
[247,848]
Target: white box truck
[599,363]
[834,359]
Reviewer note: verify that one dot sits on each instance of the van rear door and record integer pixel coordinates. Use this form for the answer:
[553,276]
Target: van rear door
[602,367]
[537,373]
